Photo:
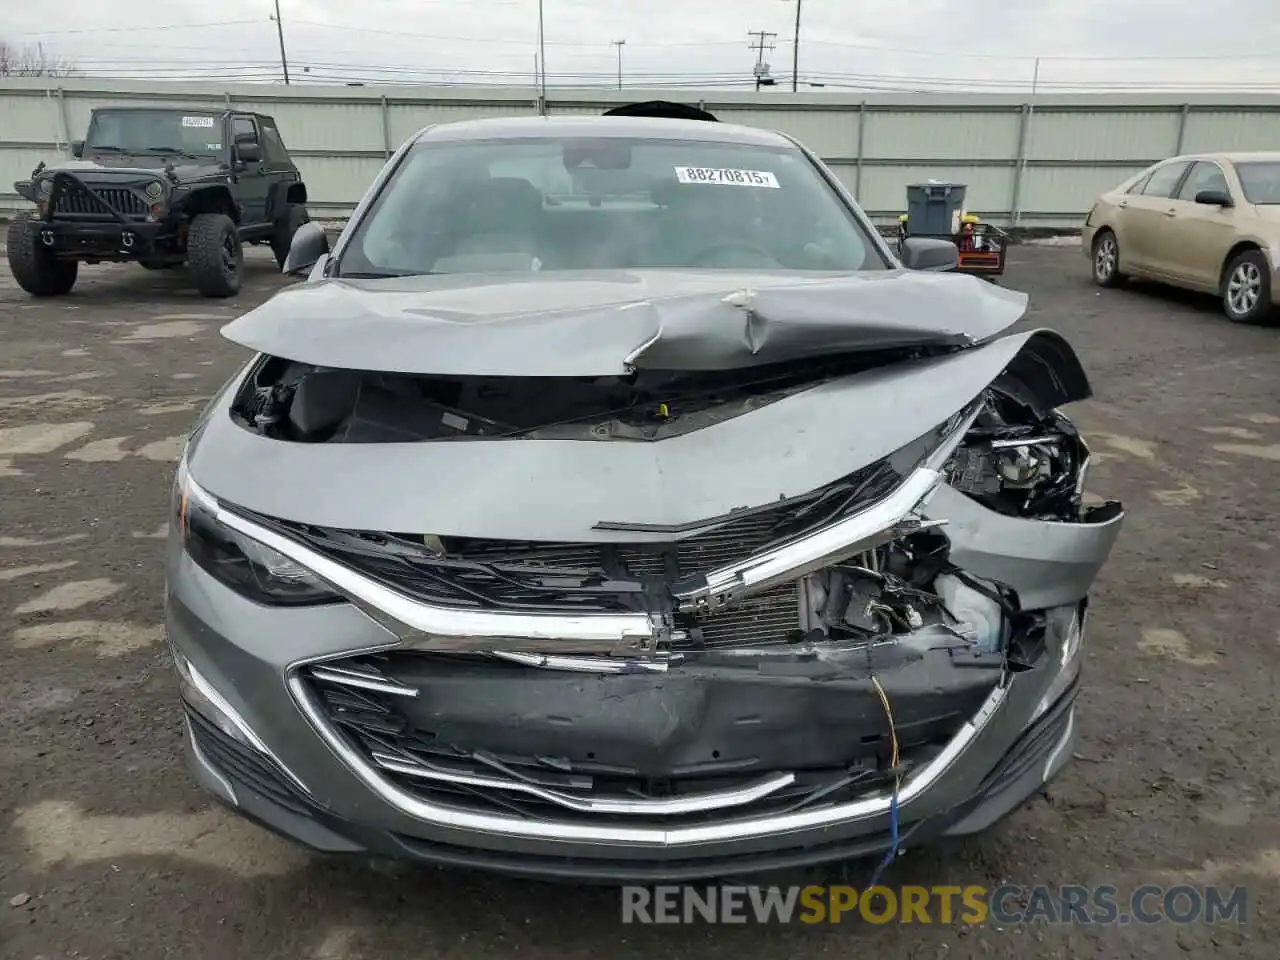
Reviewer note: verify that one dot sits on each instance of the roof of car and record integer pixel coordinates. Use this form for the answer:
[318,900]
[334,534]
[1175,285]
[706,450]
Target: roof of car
[219,109]
[1239,156]
[652,128]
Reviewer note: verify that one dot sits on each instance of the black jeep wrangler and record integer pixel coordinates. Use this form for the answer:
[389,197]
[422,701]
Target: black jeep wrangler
[160,187]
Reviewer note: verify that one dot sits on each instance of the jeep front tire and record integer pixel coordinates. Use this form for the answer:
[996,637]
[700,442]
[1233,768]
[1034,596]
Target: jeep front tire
[33,264]
[215,255]
[286,227]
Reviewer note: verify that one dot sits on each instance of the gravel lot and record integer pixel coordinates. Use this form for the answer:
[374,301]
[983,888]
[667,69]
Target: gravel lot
[108,850]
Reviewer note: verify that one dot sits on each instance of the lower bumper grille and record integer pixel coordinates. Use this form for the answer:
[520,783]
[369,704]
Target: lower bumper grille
[244,766]
[406,716]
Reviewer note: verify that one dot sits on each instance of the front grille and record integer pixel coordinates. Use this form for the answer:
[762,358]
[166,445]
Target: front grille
[392,732]
[522,576]
[74,200]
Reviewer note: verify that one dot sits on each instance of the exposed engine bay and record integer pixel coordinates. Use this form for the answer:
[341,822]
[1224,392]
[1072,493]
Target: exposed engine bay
[299,402]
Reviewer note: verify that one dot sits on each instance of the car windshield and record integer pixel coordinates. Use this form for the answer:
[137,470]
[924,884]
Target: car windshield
[1261,181]
[606,204]
[154,131]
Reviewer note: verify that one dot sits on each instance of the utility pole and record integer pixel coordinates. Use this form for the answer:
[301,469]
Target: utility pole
[284,61]
[760,46]
[619,45]
[795,52]
[542,57]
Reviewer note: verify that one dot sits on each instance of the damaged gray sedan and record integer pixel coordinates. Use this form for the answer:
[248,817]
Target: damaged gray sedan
[611,503]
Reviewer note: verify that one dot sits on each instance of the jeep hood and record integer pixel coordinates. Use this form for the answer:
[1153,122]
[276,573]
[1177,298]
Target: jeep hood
[610,323]
[128,166]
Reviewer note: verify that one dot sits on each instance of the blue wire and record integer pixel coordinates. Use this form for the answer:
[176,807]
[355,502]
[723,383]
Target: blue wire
[893,838]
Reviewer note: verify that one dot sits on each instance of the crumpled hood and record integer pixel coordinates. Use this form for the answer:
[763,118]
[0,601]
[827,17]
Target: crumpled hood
[601,323]
[484,488]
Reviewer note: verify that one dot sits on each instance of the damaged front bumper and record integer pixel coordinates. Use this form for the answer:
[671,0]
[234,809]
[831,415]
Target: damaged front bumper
[609,746]
[981,752]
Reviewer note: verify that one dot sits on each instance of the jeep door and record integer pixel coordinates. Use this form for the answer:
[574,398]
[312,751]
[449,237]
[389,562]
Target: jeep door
[277,167]
[252,184]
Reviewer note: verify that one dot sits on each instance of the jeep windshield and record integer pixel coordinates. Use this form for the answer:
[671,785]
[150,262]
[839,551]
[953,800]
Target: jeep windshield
[187,132]
[534,204]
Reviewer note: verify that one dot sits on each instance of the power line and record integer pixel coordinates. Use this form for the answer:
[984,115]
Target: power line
[140,29]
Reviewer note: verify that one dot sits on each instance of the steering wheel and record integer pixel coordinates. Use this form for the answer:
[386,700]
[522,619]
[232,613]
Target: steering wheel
[697,260]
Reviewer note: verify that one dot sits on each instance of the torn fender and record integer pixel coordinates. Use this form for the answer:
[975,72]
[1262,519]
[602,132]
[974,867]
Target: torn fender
[483,488]
[609,323]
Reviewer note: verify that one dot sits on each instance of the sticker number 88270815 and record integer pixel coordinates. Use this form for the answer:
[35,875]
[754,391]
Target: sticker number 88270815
[721,175]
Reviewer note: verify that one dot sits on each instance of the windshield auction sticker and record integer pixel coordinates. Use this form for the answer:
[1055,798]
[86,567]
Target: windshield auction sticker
[197,121]
[721,175]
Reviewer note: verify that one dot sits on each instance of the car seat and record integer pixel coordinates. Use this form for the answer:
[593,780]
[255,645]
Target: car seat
[499,216]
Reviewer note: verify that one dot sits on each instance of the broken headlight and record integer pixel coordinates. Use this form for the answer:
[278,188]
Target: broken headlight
[1068,623]
[250,568]
[1019,464]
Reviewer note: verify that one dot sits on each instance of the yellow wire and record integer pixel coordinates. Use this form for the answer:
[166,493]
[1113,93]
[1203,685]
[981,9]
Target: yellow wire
[893,732]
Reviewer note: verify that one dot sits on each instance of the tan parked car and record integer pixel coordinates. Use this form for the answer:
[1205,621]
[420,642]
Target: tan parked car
[1207,222]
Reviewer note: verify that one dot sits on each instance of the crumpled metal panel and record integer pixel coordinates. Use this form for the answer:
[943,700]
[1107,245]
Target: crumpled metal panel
[607,323]
[485,488]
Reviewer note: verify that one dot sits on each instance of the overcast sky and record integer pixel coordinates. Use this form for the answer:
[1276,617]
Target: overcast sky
[886,44]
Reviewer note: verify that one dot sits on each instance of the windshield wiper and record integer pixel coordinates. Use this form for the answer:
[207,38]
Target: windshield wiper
[176,152]
[96,148]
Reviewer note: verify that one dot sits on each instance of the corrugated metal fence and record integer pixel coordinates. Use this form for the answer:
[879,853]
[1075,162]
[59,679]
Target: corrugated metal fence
[1036,163]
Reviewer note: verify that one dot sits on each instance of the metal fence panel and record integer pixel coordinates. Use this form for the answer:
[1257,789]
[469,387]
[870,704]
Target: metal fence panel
[1036,164]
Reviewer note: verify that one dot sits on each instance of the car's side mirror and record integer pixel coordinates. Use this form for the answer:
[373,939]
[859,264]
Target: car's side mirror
[77,148]
[1213,198]
[249,152]
[929,253]
[309,244]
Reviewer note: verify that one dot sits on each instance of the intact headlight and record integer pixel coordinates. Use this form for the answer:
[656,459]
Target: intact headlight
[154,190]
[250,568]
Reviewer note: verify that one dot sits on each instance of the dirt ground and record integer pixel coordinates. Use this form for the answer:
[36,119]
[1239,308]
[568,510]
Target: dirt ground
[107,850]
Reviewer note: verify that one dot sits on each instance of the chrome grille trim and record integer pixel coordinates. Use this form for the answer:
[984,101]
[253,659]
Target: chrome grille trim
[429,627]
[667,806]
[363,680]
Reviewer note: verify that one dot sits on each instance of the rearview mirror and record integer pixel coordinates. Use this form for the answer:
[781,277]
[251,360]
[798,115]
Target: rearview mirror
[77,148]
[1213,198]
[929,253]
[309,244]
[249,152]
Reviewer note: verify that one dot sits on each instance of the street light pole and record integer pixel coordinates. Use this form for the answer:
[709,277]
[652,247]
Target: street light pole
[284,61]
[619,44]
